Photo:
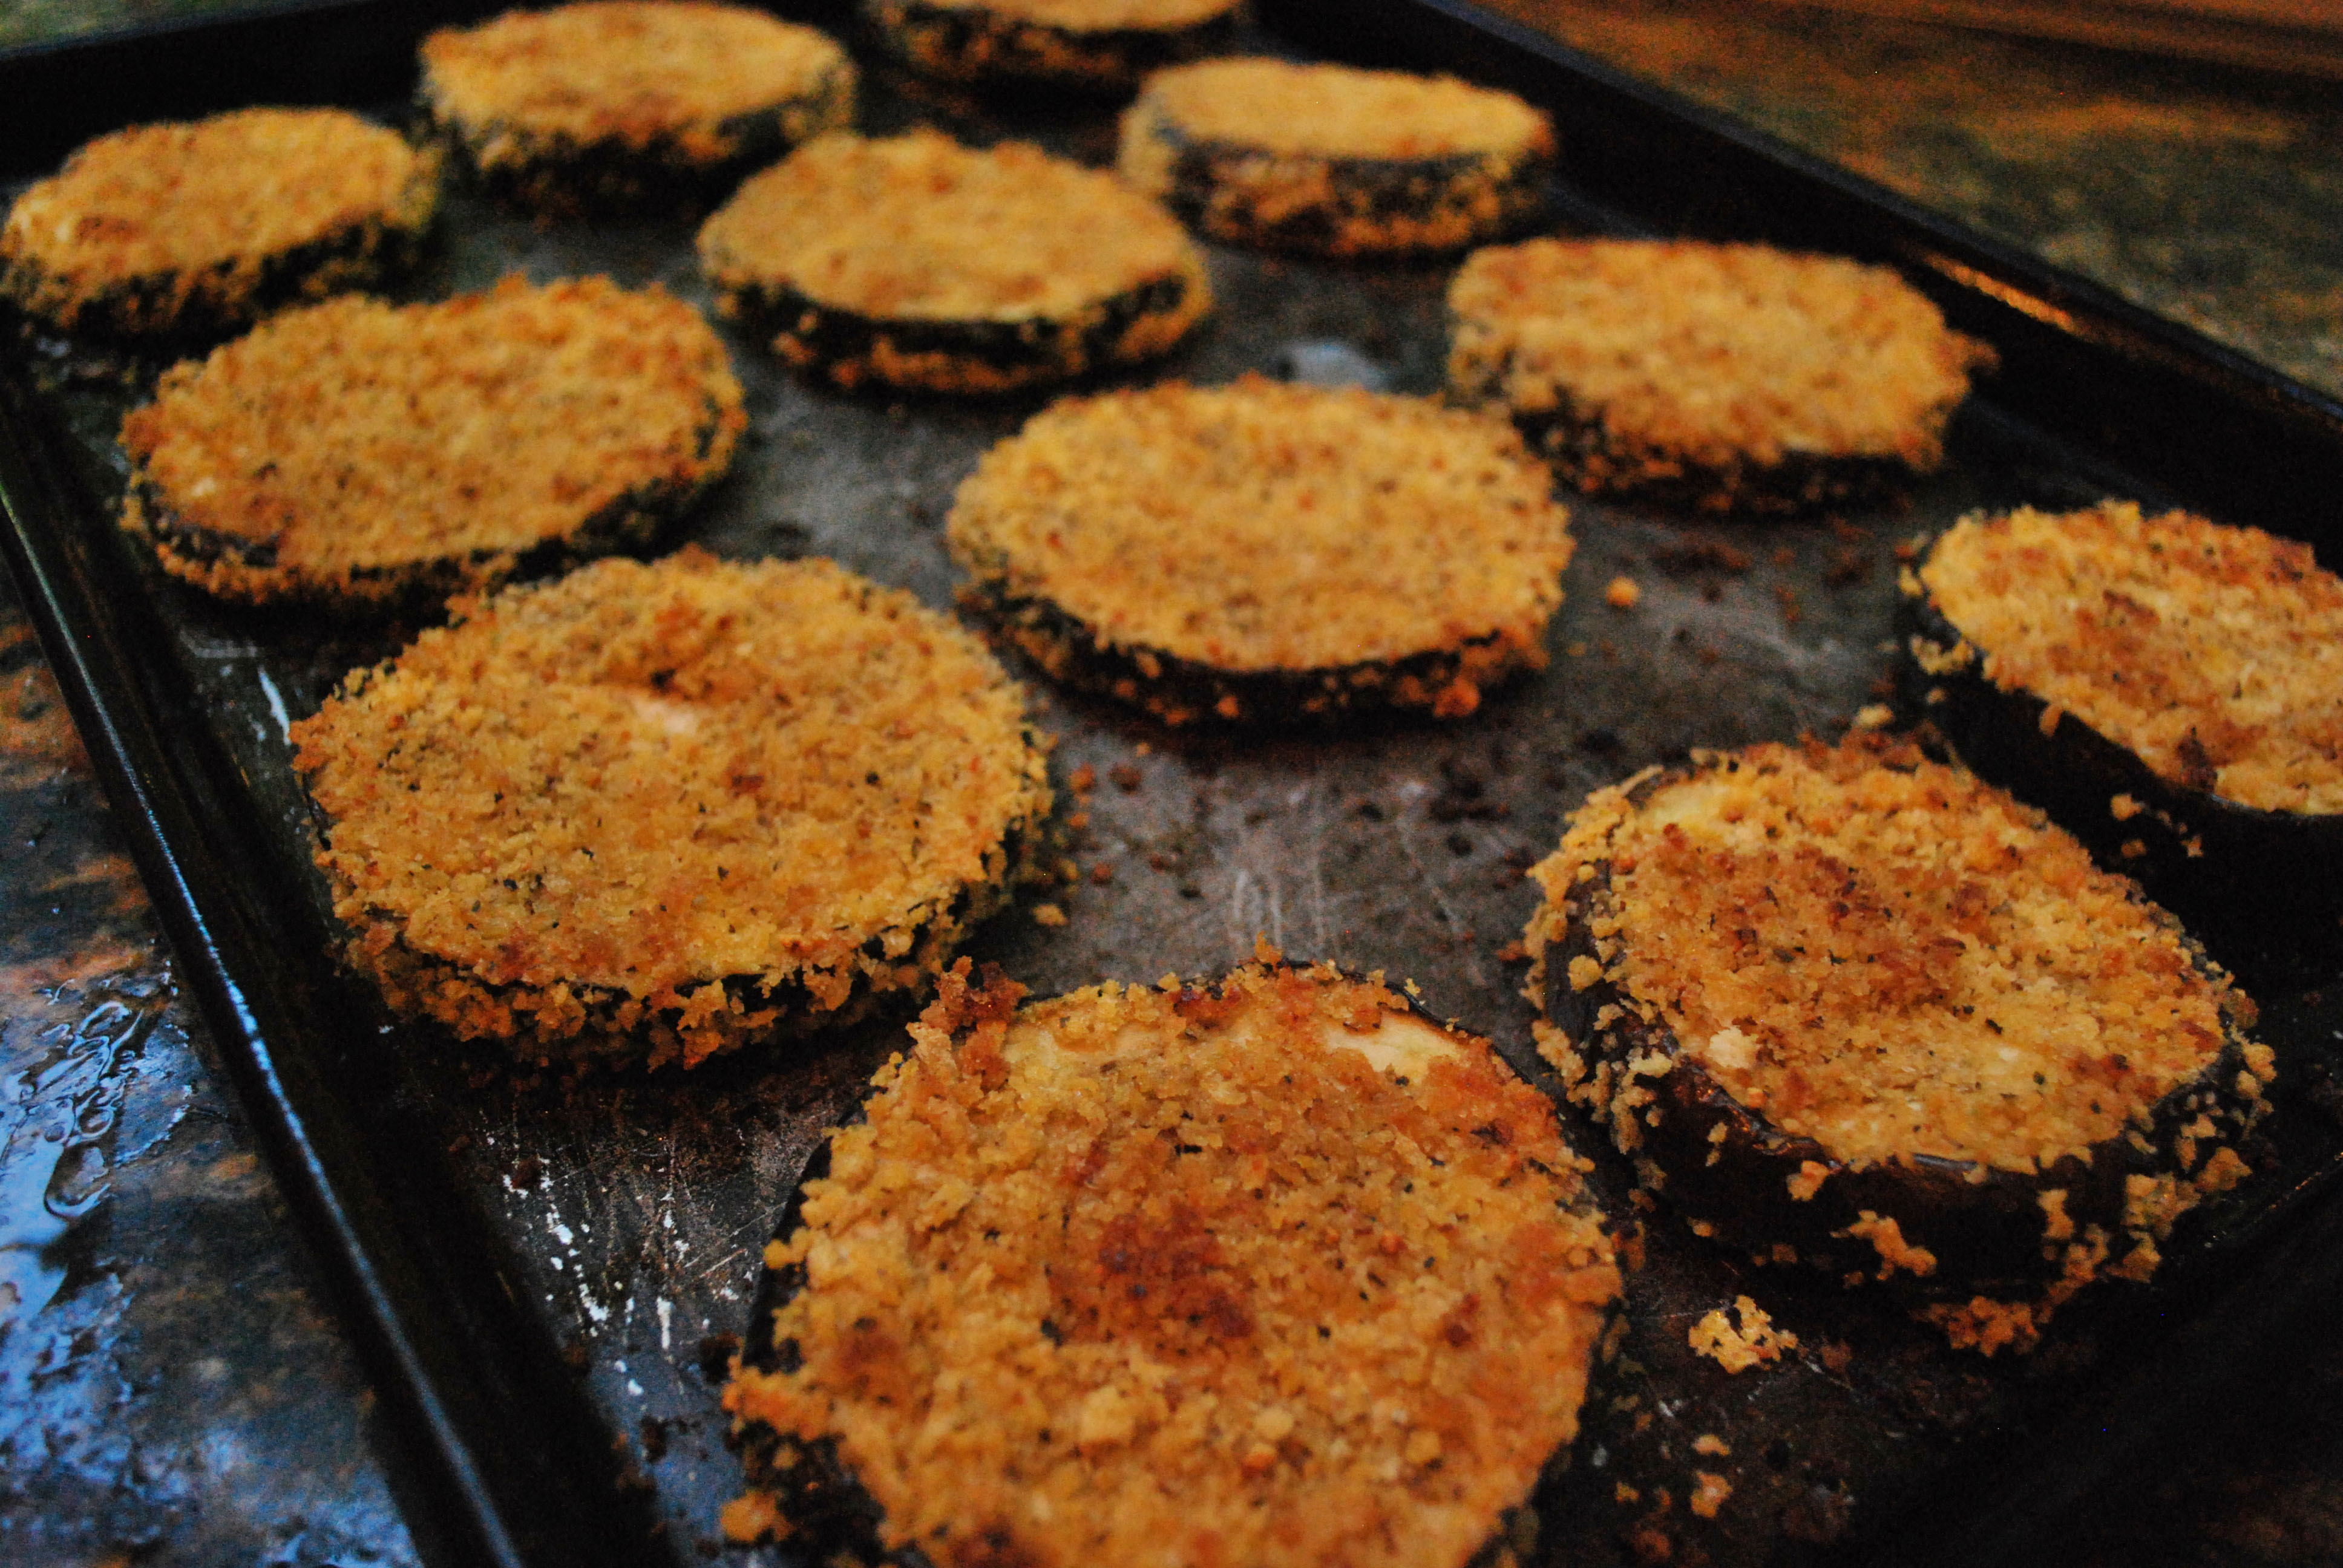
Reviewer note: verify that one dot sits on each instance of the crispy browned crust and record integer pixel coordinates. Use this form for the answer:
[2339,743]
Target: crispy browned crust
[614,107]
[1990,1225]
[985,45]
[916,264]
[1261,551]
[1137,1180]
[1471,171]
[190,231]
[335,454]
[654,813]
[1727,379]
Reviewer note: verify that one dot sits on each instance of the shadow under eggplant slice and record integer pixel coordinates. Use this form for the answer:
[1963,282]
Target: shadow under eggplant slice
[1330,161]
[1989,1215]
[2262,887]
[1053,1459]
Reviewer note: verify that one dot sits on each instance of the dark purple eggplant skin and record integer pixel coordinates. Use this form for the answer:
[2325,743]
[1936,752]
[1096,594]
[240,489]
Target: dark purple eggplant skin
[2262,890]
[984,48]
[1987,1233]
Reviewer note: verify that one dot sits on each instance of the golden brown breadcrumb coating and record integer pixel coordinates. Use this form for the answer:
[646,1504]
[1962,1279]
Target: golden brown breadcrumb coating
[1336,161]
[1099,45]
[916,262]
[1850,1006]
[203,227]
[359,451]
[1275,1273]
[1890,959]
[615,102]
[2214,654]
[1726,375]
[655,812]
[1357,547]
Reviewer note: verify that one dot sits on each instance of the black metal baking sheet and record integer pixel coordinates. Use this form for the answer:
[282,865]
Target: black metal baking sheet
[542,1274]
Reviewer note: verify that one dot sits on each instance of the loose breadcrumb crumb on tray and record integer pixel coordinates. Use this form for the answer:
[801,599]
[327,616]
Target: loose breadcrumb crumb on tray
[1738,1347]
[659,811]
[1270,1272]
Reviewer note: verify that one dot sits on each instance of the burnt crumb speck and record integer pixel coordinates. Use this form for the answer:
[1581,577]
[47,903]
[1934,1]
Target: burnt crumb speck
[574,1355]
[1602,743]
[1702,556]
[652,1431]
[1126,778]
[1520,858]
[1189,890]
[716,1354]
[1847,567]
[787,539]
[2322,1093]
[1368,810]
[1778,1453]
[1463,796]
[1458,844]
[525,1174]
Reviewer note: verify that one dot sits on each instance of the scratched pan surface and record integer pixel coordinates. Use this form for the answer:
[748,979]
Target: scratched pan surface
[624,1216]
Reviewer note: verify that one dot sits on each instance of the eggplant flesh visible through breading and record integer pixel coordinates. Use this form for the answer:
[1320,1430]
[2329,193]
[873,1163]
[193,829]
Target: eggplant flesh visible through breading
[2262,890]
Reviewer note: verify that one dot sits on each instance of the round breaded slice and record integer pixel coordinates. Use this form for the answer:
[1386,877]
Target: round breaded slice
[652,813]
[1089,46]
[1271,1271]
[2170,690]
[194,230]
[358,452]
[614,107]
[917,263]
[1330,160]
[1852,1009]
[1725,378]
[1263,551]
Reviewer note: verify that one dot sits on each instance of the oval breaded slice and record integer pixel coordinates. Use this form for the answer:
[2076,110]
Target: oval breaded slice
[1330,160]
[1275,1271]
[1092,46]
[1263,551]
[2170,690]
[655,813]
[617,106]
[916,263]
[199,229]
[1727,378]
[359,452]
[1850,1008]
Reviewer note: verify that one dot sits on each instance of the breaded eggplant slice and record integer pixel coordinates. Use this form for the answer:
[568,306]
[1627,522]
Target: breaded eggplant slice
[196,230]
[1081,45]
[917,263]
[1275,1271]
[1724,377]
[650,813]
[2168,689]
[1334,161]
[1853,1008]
[617,107]
[1263,552]
[360,453]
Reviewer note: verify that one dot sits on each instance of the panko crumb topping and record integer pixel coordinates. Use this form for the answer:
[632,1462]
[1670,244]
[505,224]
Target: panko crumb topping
[668,808]
[1272,1273]
[221,197]
[1340,111]
[331,446]
[1888,956]
[1270,526]
[625,72]
[2214,654]
[1721,353]
[920,227]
